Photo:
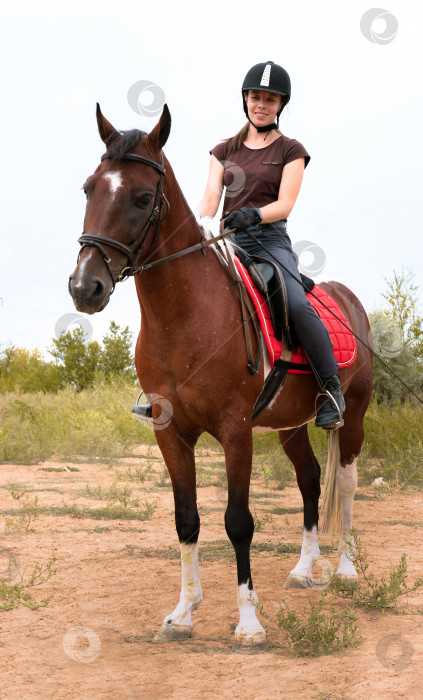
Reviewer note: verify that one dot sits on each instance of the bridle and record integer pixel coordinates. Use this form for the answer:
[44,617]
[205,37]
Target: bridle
[132,252]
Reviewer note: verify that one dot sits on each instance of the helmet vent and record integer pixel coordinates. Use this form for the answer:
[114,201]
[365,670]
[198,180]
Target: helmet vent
[265,78]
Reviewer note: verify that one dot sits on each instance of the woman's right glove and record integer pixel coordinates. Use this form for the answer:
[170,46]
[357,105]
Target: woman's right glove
[243,219]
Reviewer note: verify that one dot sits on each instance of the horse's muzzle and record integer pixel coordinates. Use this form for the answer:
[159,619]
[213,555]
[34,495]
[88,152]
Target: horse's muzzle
[89,294]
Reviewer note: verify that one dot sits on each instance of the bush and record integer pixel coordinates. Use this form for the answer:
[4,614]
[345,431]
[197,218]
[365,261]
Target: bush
[373,593]
[95,423]
[393,440]
[317,632]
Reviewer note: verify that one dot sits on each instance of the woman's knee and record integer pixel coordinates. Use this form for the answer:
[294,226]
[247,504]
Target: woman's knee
[298,305]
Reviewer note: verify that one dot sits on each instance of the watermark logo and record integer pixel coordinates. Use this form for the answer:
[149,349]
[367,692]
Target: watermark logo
[146,98]
[379,26]
[321,575]
[238,178]
[65,323]
[81,644]
[388,338]
[400,643]
[311,258]
[165,416]
[9,564]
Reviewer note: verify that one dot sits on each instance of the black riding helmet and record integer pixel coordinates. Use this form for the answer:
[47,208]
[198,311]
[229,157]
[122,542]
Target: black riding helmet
[268,77]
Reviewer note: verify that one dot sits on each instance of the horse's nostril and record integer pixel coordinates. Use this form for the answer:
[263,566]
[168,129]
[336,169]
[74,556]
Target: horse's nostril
[99,289]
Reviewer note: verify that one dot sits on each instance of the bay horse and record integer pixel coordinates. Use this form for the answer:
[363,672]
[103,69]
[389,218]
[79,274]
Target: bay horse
[191,351]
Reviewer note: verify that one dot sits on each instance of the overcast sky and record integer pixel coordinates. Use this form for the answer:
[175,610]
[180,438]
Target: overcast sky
[356,106]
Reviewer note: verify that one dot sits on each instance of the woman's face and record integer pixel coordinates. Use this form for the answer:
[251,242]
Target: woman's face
[263,106]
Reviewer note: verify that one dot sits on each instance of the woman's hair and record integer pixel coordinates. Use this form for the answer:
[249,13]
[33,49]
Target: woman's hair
[235,142]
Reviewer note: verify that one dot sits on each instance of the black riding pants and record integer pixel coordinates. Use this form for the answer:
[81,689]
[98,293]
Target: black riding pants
[311,333]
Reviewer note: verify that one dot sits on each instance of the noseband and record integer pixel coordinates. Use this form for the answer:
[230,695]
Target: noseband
[132,251]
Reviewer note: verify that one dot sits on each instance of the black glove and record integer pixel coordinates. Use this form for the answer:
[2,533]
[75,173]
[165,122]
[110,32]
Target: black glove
[241,220]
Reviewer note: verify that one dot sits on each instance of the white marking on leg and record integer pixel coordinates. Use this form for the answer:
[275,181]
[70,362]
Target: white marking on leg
[115,181]
[249,630]
[346,480]
[191,593]
[310,553]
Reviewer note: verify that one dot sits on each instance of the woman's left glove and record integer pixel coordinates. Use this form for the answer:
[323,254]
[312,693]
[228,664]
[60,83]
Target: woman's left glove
[243,219]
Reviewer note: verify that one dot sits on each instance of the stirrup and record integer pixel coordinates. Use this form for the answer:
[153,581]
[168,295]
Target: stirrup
[144,413]
[330,414]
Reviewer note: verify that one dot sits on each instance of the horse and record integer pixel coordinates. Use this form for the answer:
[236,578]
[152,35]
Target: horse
[191,352]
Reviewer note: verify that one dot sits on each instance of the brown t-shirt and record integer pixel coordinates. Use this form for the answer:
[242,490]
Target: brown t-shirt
[252,177]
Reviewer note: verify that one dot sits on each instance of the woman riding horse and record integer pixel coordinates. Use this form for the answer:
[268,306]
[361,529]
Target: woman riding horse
[270,167]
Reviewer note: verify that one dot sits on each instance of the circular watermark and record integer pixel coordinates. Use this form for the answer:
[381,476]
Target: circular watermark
[81,644]
[311,257]
[166,412]
[65,322]
[379,26]
[388,338]
[321,575]
[9,564]
[400,643]
[146,98]
[238,178]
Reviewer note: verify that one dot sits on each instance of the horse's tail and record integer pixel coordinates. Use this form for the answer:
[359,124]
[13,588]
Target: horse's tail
[330,508]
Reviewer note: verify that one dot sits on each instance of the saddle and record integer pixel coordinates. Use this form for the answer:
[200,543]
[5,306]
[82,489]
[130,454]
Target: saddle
[266,288]
[268,279]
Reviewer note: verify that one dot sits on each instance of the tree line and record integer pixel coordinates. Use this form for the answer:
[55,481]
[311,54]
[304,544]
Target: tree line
[77,363]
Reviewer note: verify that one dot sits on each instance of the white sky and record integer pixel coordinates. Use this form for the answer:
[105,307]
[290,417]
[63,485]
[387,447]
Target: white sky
[356,106]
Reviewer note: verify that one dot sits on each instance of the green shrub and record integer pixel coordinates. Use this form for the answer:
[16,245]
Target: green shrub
[95,423]
[315,632]
[372,593]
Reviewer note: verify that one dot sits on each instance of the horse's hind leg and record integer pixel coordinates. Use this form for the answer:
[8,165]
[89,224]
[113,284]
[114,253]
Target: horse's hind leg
[351,438]
[297,447]
[239,525]
[179,457]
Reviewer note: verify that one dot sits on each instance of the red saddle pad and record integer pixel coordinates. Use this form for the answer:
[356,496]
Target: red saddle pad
[343,341]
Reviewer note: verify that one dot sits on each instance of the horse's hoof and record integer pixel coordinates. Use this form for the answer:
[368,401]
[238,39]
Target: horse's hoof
[298,582]
[172,633]
[250,643]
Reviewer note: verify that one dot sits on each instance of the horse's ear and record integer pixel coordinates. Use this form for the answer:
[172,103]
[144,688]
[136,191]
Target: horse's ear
[105,129]
[160,134]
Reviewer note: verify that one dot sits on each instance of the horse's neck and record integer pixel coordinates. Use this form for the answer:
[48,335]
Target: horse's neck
[170,284]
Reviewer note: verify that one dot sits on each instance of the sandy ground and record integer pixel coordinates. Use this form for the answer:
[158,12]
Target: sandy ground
[117,579]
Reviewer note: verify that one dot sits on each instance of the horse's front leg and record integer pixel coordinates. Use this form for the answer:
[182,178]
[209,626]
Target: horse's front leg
[239,525]
[178,452]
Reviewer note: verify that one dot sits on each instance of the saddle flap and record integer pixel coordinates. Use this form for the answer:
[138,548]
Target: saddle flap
[274,291]
[261,274]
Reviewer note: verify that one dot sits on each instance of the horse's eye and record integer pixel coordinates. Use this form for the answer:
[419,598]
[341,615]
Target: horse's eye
[143,200]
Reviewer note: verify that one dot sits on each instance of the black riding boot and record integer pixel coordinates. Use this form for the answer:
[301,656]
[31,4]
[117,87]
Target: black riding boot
[331,409]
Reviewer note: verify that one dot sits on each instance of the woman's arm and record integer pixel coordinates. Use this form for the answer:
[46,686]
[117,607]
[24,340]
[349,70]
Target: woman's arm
[214,188]
[292,176]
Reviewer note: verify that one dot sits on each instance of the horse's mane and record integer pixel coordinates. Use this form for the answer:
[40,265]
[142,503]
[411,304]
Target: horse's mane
[121,142]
